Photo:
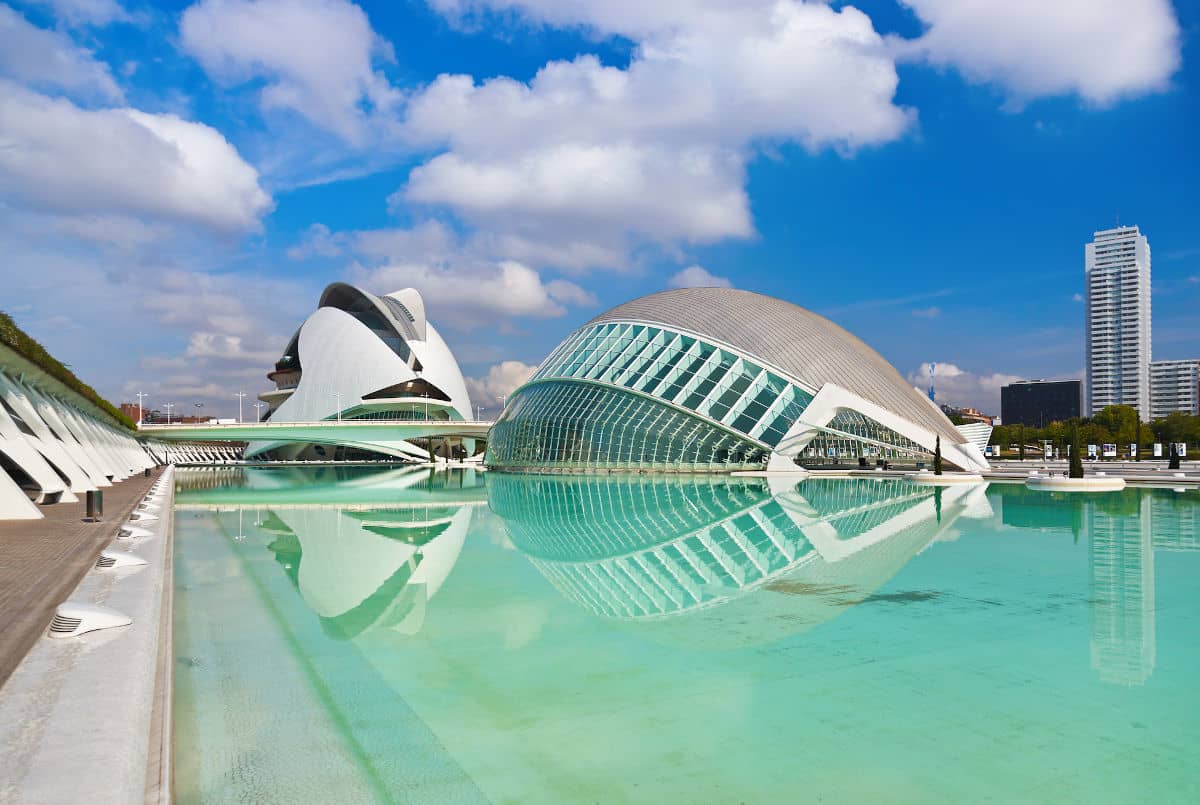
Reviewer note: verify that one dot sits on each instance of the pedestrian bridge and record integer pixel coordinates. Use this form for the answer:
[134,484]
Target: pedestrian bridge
[328,431]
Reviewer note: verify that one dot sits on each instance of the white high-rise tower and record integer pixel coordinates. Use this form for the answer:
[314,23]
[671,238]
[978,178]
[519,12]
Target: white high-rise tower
[1117,266]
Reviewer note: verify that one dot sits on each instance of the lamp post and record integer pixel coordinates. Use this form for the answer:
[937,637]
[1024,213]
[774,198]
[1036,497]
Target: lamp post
[197,406]
[258,406]
[169,406]
[338,396]
[140,395]
[241,395]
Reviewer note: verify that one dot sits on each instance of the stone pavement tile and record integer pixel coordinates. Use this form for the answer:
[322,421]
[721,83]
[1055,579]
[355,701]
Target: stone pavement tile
[41,562]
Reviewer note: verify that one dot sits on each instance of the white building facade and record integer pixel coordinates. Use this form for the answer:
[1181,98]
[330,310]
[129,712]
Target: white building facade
[365,357]
[1174,386]
[1117,268]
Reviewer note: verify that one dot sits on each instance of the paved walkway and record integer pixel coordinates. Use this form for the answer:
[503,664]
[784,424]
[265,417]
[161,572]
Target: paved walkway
[41,562]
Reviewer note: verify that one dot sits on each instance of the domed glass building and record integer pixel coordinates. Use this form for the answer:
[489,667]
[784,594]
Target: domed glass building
[714,380]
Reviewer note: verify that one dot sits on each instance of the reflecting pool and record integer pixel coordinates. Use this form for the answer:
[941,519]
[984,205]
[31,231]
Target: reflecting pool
[401,635]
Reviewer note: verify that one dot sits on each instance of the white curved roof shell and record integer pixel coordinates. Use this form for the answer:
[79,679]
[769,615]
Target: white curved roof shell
[808,347]
[342,360]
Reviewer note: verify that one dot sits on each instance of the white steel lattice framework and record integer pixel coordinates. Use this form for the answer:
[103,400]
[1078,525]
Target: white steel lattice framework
[715,379]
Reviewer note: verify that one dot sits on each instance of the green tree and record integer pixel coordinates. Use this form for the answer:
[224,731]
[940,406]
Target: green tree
[1173,463]
[1076,470]
[1021,442]
[937,456]
[1121,421]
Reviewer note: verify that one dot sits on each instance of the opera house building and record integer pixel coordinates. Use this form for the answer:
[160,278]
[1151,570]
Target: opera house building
[363,356]
[716,380]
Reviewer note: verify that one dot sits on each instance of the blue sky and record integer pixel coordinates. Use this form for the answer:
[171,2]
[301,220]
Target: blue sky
[178,181]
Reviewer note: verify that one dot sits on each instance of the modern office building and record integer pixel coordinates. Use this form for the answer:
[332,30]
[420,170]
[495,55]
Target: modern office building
[1037,403]
[1117,268]
[1174,386]
[362,356]
[712,380]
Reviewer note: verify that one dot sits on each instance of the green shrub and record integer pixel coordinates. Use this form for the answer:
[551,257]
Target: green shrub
[16,339]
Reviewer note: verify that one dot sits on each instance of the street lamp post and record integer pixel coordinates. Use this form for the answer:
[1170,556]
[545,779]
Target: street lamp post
[140,395]
[169,406]
[240,395]
[258,406]
[338,395]
[197,406]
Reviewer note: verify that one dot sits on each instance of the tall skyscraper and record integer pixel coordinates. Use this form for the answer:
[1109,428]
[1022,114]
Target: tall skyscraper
[1117,267]
[1174,386]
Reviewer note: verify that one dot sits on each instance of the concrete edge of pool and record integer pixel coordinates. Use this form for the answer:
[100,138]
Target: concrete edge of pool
[87,718]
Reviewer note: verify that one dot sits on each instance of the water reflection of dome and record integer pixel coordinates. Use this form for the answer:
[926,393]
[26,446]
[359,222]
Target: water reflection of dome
[362,569]
[762,563]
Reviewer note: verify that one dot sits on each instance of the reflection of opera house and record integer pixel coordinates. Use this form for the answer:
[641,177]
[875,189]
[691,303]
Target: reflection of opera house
[365,357]
[715,379]
[765,561]
[367,551]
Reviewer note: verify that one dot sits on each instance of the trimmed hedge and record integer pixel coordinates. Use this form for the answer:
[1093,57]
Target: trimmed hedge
[15,339]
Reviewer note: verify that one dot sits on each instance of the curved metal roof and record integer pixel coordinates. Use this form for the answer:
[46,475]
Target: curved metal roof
[809,347]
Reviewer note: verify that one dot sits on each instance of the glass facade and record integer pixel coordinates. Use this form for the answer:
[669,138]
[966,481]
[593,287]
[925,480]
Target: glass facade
[573,425]
[645,547]
[851,435]
[610,397]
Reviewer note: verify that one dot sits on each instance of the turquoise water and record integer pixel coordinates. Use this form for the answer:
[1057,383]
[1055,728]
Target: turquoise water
[404,636]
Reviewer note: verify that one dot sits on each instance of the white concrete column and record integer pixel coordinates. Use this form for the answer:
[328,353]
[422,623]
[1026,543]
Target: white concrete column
[42,411]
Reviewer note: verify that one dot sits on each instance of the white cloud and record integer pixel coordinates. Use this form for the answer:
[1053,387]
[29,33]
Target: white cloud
[1077,297]
[227,348]
[475,294]
[695,194]
[1101,50]
[697,277]
[318,241]
[60,159]
[585,162]
[500,381]
[87,12]
[927,312]
[428,241]
[956,386]
[46,59]
[316,56]
[462,282]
